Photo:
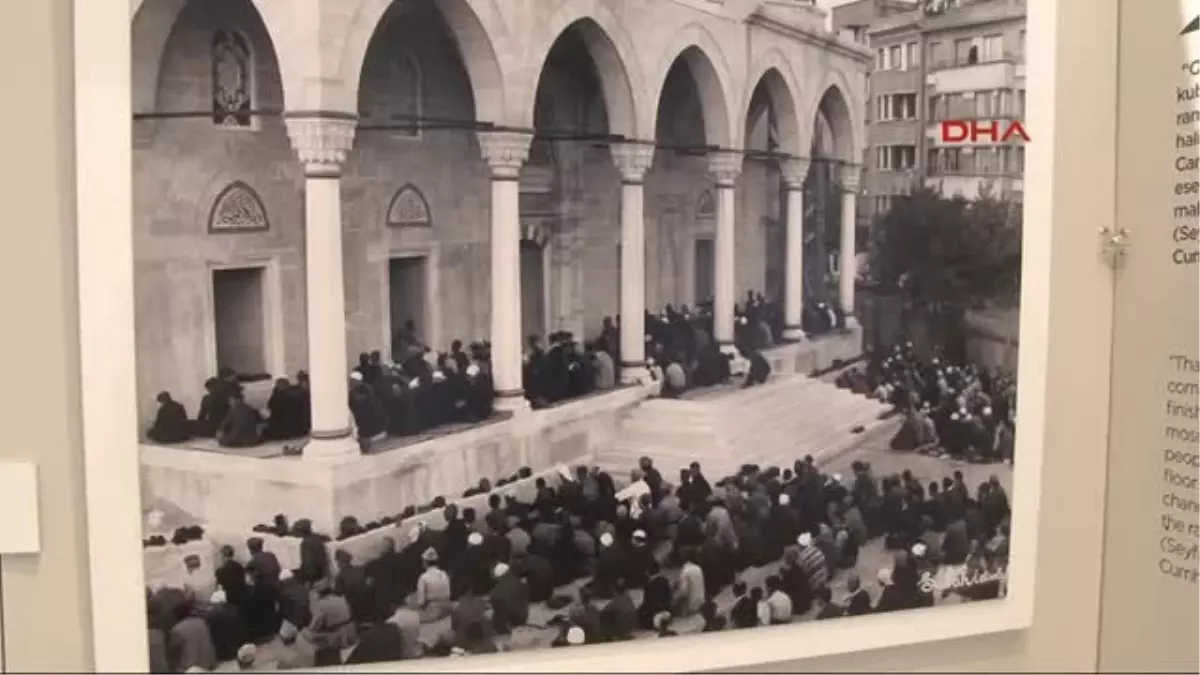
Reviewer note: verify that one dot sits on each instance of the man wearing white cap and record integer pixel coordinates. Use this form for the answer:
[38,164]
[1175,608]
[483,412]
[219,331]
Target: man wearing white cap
[433,589]
[510,600]
[190,644]
[246,656]
[812,561]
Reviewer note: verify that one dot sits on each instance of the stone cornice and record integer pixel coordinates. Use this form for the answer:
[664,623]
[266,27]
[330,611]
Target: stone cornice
[321,143]
[795,171]
[505,152]
[725,166]
[822,39]
[633,160]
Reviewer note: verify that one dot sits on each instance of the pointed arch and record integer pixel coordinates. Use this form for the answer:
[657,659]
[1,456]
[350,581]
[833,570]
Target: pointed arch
[843,112]
[775,74]
[477,30]
[152,24]
[237,208]
[697,47]
[612,51]
[409,208]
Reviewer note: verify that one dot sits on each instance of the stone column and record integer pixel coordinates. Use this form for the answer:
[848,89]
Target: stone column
[847,261]
[794,172]
[321,143]
[505,152]
[633,160]
[725,167]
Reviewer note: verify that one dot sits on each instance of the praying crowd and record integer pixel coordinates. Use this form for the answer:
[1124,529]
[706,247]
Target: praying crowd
[585,563]
[420,390]
[959,411]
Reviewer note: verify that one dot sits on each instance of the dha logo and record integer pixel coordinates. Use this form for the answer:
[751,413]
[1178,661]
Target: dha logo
[970,131]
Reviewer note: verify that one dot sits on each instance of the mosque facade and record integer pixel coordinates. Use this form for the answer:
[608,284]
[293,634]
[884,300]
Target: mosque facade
[309,175]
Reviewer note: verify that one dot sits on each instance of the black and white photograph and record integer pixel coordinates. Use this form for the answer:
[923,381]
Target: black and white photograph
[489,326]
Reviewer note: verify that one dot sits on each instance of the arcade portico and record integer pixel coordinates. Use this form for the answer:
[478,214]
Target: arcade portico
[308,174]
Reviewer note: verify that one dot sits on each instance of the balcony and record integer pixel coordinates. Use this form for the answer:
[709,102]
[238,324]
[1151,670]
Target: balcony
[947,78]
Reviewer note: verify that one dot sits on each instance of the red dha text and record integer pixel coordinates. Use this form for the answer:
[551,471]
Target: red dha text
[970,131]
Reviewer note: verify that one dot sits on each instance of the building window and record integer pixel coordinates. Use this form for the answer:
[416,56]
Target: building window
[993,48]
[880,59]
[1021,103]
[937,111]
[232,80]
[987,104]
[959,106]
[1016,160]
[896,157]
[892,107]
[937,54]
[948,161]
[895,58]
[913,55]
[988,161]
[1021,45]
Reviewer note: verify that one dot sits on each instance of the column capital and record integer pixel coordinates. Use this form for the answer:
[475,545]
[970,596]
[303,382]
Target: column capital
[795,171]
[321,142]
[633,160]
[505,152]
[851,175]
[725,166]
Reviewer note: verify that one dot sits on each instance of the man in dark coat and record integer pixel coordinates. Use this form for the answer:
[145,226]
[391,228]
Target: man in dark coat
[240,427]
[510,600]
[759,370]
[231,577]
[171,423]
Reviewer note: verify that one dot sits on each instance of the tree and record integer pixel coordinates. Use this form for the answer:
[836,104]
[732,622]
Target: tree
[947,256]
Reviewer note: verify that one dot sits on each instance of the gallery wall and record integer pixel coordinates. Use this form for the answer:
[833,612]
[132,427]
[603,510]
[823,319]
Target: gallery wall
[45,597]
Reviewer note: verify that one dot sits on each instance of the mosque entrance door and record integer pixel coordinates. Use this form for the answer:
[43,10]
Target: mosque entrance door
[239,298]
[407,279]
[533,289]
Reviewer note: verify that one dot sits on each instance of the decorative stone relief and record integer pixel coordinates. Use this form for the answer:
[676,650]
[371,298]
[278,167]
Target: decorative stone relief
[232,70]
[237,209]
[409,209]
[706,206]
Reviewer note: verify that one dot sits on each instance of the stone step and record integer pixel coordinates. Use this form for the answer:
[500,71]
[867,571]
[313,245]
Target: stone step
[787,418]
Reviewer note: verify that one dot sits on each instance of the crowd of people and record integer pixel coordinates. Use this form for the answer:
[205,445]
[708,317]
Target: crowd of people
[419,390]
[598,564]
[962,411]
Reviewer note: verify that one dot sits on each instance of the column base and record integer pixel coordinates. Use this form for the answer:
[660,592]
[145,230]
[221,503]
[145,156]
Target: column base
[634,373]
[737,365]
[331,449]
[795,334]
[516,404]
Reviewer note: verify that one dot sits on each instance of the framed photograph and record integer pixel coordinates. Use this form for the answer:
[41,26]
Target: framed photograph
[512,335]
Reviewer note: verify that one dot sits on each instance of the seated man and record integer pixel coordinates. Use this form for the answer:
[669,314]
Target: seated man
[287,418]
[171,423]
[240,428]
[759,371]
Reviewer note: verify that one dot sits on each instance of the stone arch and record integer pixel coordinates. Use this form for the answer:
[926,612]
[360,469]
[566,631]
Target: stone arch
[409,208]
[776,75]
[613,53]
[153,22]
[477,30]
[709,67]
[237,208]
[842,111]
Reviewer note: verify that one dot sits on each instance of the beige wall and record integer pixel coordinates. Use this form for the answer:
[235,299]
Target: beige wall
[46,610]
[45,606]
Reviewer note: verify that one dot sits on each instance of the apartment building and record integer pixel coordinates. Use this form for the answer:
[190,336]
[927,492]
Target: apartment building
[939,60]
[975,56]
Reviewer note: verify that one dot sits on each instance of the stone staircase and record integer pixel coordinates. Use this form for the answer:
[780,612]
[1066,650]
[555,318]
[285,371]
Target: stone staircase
[723,428]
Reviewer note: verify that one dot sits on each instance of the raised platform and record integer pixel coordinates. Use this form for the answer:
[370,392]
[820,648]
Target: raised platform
[723,428]
[231,493]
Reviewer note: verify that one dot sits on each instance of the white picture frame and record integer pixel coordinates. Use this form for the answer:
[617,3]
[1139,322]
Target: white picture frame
[105,259]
